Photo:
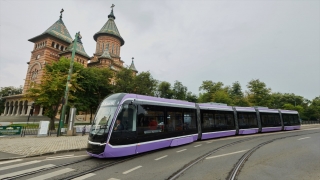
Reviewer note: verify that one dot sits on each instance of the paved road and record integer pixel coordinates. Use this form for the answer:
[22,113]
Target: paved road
[295,157]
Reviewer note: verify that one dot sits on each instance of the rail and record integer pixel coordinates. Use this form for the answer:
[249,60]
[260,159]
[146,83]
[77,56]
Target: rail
[310,122]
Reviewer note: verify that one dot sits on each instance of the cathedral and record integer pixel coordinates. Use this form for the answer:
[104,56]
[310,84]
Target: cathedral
[56,42]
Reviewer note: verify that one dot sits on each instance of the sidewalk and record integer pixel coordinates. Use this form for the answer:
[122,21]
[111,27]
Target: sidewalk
[20,147]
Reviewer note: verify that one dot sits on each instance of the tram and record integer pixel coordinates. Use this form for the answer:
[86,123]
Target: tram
[127,124]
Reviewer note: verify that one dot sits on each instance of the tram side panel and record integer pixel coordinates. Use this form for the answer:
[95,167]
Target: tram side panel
[217,123]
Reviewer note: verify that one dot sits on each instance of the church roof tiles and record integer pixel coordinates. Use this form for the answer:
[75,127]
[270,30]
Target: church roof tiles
[58,30]
[110,28]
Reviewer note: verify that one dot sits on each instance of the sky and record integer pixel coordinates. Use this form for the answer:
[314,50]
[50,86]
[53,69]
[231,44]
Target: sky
[277,42]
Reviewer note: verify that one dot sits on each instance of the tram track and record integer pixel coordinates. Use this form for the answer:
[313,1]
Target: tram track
[237,168]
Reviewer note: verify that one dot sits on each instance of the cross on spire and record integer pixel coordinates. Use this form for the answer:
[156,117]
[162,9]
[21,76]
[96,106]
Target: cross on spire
[132,58]
[112,6]
[61,13]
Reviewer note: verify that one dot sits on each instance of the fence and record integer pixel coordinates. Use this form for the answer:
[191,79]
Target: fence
[310,122]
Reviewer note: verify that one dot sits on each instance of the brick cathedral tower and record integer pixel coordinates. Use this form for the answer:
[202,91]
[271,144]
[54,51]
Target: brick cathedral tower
[47,47]
[108,45]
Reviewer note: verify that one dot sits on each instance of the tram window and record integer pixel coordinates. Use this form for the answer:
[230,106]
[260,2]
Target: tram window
[127,118]
[229,119]
[247,120]
[150,119]
[174,119]
[207,120]
[189,119]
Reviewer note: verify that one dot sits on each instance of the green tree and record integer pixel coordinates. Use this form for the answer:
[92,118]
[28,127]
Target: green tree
[258,93]
[124,81]
[179,91]
[50,91]
[313,111]
[208,88]
[96,85]
[165,90]
[191,97]
[221,96]
[145,84]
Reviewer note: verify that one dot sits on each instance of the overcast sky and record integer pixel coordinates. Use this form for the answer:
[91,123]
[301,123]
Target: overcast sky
[277,42]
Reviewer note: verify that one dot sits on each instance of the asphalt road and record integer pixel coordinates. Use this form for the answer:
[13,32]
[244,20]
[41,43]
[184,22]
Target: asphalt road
[295,156]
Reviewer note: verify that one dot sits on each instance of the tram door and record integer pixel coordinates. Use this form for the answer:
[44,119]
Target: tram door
[124,129]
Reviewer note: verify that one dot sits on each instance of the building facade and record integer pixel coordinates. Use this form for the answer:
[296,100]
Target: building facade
[56,42]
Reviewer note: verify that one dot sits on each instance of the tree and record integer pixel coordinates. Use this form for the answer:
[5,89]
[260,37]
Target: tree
[209,88]
[164,90]
[145,84]
[179,91]
[50,92]
[124,81]
[221,96]
[258,93]
[191,97]
[96,85]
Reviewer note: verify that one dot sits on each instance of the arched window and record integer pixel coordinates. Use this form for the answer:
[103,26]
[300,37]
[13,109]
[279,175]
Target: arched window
[112,48]
[53,44]
[62,48]
[34,75]
[58,46]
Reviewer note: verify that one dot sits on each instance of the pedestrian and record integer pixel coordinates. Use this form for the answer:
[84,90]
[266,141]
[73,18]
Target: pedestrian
[84,130]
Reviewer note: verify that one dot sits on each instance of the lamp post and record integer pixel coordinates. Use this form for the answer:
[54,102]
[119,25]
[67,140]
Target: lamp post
[66,93]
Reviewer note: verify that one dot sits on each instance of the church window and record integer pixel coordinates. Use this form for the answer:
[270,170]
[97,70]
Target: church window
[62,48]
[112,48]
[52,45]
[58,46]
[102,47]
[34,75]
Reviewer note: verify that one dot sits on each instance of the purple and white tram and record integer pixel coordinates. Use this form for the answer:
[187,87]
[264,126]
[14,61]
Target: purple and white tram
[127,124]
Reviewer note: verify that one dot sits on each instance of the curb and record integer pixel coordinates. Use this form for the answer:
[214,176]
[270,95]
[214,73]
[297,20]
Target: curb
[44,154]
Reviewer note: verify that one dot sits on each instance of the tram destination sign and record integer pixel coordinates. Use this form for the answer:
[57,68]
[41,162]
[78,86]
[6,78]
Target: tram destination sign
[10,130]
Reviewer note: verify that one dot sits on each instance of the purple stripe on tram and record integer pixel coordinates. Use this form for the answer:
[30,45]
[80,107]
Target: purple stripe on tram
[144,147]
[156,99]
[248,131]
[270,129]
[180,141]
[211,135]
[289,128]
[118,151]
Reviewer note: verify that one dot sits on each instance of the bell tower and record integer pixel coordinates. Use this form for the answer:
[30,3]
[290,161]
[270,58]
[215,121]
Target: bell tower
[108,40]
[47,47]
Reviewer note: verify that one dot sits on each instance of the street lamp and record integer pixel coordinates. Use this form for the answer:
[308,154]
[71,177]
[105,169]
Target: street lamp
[65,99]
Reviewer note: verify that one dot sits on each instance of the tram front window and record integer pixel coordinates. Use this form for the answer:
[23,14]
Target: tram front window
[102,121]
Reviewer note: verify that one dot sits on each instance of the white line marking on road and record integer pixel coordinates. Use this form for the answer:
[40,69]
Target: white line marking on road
[87,176]
[161,157]
[130,170]
[226,154]
[181,150]
[198,145]
[51,159]
[25,171]
[113,179]
[59,156]
[52,174]
[11,161]
[304,138]
[19,165]
[209,142]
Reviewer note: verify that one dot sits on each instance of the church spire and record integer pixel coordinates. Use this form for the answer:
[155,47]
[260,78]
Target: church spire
[110,28]
[61,13]
[132,67]
[111,15]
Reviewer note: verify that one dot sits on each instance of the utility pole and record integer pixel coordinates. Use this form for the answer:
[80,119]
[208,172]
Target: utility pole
[66,93]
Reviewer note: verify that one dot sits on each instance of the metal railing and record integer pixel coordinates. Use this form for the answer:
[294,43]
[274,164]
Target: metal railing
[310,122]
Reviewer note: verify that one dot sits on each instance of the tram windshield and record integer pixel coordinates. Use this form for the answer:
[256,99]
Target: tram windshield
[103,119]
